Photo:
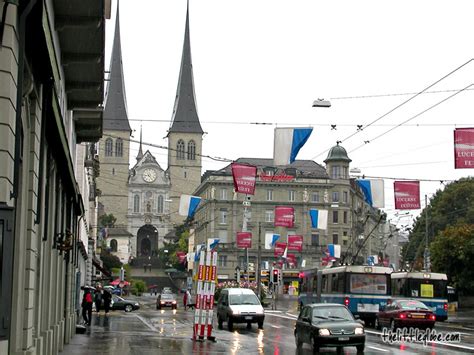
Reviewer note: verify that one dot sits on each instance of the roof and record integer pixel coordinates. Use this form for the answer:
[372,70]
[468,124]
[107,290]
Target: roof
[419,275]
[366,269]
[185,117]
[238,290]
[337,153]
[115,112]
[118,232]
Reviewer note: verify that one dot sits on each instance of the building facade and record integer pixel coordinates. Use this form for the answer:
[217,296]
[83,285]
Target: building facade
[51,92]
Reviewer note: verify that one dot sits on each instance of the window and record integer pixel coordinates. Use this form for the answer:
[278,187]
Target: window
[338,283]
[223,194]
[315,197]
[335,216]
[269,195]
[108,147]
[180,150]
[113,245]
[291,195]
[335,196]
[223,216]
[315,239]
[336,172]
[222,235]
[269,216]
[136,203]
[335,238]
[159,208]
[369,283]
[222,260]
[119,147]
[191,150]
[345,197]
[113,171]
[344,218]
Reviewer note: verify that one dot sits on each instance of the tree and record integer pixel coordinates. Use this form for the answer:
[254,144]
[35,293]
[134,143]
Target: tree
[449,207]
[452,253]
[109,260]
[107,220]
[169,258]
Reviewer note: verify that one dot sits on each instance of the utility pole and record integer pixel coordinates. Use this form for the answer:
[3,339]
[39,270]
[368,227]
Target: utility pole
[426,258]
[246,204]
[259,262]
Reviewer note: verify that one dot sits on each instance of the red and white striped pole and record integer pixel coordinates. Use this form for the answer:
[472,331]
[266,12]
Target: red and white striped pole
[199,300]
[212,288]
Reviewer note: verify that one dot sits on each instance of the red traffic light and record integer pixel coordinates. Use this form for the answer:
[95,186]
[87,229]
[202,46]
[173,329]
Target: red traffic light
[275,272]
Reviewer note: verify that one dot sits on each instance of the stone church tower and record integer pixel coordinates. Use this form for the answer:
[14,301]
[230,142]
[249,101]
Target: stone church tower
[114,147]
[184,135]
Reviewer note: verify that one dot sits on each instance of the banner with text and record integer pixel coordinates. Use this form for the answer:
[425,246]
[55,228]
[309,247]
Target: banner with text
[284,216]
[280,249]
[244,240]
[244,178]
[464,148]
[407,195]
[295,242]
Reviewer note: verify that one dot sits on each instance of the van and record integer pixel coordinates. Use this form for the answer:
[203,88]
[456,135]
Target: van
[239,305]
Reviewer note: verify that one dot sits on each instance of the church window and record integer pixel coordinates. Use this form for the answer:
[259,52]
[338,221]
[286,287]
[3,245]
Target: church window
[119,147]
[160,204]
[148,207]
[136,203]
[113,245]
[180,150]
[108,147]
[191,150]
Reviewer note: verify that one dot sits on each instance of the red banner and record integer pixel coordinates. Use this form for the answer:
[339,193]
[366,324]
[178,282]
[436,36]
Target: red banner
[244,240]
[291,259]
[181,256]
[295,242]
[279,249]
[464,148]
[284,216]
[407,195]
[245,177]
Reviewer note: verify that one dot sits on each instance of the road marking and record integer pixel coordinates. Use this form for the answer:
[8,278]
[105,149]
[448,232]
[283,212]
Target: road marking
[379,349]
[270,311]
[372,332]
[151,327]
[276,326]
[280,316]
[453,345]
[293,315]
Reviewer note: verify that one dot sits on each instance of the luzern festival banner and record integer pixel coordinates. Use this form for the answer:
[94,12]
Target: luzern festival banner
[244,240]
[245,177]
[295,242]
[284,216]
[464,148]
[407,195]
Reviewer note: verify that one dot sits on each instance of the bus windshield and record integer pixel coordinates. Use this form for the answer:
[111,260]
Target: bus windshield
[368,284]
[427,288]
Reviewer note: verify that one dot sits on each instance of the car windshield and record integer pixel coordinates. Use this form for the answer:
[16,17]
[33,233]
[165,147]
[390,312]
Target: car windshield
[167,297]
[331,313]
[243,299]
[412,305]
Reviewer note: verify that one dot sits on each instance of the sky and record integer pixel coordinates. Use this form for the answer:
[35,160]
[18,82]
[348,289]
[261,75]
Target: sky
[266,61]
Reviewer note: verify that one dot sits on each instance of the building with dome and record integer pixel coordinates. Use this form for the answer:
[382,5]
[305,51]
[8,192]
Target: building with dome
[304,185]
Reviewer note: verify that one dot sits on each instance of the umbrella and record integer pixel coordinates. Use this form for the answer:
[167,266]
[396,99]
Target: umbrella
[153,286]
[116,282]
[87,287]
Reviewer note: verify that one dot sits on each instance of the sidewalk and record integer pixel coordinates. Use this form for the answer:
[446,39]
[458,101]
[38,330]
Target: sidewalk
[464,316]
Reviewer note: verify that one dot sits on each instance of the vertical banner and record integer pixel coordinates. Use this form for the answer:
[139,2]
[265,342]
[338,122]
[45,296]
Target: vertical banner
[291,259]
[287,143]
[245,177]
[407,195]
[280,249]
[284,216]
[244,240]
[295,242]
[464,148]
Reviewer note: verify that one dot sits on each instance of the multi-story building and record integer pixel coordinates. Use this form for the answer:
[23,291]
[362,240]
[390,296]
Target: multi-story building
[51,95]
[304,185]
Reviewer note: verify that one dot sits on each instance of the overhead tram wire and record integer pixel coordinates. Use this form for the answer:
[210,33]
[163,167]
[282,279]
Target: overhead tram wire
[398,106]
[393,94]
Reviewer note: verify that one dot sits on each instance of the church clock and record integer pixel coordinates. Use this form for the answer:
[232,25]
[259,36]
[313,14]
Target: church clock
[149,175]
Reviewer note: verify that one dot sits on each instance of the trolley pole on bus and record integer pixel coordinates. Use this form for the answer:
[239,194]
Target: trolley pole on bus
[427,250]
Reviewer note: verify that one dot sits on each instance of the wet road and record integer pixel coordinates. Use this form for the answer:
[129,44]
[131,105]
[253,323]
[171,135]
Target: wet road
[149,331]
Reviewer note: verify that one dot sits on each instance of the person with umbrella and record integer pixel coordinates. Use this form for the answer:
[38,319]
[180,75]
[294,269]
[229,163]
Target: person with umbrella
[87,305]
[107,297]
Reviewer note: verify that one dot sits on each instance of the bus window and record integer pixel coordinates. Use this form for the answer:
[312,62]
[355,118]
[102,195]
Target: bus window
[428,288]
[337,283]
[368,284]
[398,287]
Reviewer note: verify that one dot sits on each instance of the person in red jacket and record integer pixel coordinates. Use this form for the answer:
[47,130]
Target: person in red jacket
[87,306]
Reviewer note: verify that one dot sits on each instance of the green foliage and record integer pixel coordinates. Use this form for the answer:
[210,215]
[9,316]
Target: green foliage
[169,259]
[138,287]
[449,207]
[128,271]
[110,261]
[107,220]
[452,253]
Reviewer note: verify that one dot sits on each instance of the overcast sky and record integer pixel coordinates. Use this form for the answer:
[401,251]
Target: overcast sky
[267,60]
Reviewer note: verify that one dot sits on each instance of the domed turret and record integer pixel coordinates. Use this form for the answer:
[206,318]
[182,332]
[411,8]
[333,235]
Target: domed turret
[337,163]
[337,153]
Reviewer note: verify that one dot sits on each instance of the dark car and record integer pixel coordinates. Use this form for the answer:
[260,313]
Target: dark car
[325,325]
[405,313]
[120,303]
[166,300]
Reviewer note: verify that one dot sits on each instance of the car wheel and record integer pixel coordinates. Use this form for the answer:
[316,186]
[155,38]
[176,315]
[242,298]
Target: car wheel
[220,322]
[260,324]
[339,349]
[230,325]
[298,341]
[377,323]
[360,348]
[128,308]
[392,325]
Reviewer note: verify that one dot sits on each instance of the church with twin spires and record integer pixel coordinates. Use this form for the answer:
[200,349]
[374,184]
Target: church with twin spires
[144,199]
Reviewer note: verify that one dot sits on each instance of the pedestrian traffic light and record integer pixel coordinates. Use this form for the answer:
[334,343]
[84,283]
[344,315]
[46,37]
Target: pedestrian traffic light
[276,276]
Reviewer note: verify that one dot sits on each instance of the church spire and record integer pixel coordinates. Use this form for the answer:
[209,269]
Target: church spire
[115,112]
[140,150]
[185,118]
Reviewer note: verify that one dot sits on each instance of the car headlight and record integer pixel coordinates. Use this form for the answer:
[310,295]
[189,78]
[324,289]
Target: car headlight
[137,304]
[324,332]
[359,331]
[235,311]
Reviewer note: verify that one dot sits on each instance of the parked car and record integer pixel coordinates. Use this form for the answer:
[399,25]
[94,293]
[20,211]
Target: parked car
[119,303]
[325,325]
[405,313]
[239,305]
[166,300]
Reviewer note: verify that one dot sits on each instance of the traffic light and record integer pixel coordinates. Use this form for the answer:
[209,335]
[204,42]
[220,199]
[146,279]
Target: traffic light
[276,276]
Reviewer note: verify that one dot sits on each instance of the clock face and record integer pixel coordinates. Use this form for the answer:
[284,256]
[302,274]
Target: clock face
[149,175]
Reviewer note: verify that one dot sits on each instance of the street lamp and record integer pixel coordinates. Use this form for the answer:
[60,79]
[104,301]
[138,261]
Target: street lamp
[321,103]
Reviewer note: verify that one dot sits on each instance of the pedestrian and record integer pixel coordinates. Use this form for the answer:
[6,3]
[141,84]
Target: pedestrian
[189,299]
[107,299]
[87,306]
[98,300]
[185,300]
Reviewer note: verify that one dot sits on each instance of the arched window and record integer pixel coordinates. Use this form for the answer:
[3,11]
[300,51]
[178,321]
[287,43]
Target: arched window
[191,150]
[108,147]
[119,147]
[180,150]
[136,203]
[160,204]
[113,245]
